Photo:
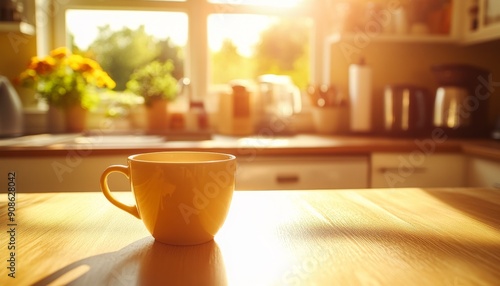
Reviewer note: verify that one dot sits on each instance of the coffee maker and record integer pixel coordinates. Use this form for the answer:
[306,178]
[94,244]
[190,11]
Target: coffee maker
[461,102]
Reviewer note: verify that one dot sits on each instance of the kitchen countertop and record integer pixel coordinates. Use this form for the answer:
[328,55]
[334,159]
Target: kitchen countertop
[302,144]
[308,237]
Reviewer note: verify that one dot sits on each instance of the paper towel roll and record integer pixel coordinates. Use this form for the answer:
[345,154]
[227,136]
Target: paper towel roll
[360,93]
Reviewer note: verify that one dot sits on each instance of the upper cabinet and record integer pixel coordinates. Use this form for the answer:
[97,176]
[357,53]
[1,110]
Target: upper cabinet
[394,21]
[433,21]
[481,21]
[17,27]
[14,16]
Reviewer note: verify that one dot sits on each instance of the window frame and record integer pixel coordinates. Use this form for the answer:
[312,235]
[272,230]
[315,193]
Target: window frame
[52,33]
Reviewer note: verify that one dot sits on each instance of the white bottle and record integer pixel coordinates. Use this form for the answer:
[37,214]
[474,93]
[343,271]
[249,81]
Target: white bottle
[360,94]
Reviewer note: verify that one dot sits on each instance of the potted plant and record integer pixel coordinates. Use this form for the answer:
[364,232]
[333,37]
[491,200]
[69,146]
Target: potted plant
[155,83]
[67,82]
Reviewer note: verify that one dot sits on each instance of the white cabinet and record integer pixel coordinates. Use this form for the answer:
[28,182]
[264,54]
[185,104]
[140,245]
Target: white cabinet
[80,173]
[17,17]
[481,20]
[17,27]
[302,172]
[393,21]
[416,169]
[452,21]
[74,172]
[483,173]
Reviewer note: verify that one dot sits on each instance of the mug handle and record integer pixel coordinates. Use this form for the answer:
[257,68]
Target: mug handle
[107,193]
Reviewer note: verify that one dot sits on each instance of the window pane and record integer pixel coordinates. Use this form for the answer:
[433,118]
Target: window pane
[244,46]
[122,41]
[274,3]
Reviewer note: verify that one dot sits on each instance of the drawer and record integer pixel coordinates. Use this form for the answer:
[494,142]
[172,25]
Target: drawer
[483,173]
[400,170]
[73,173]
[278,173]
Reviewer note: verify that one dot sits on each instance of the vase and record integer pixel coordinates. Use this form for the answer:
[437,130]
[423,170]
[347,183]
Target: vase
[157,117]
[55,120]
[75,118]
[71,119]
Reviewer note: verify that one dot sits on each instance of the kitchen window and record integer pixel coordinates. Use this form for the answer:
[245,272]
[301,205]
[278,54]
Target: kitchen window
[260,44]
[138,36]
[199,27]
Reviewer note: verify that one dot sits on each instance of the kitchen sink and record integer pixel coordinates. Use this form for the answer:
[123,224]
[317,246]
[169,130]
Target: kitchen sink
[131,139]
[38,140]
[119,140]
[103,138]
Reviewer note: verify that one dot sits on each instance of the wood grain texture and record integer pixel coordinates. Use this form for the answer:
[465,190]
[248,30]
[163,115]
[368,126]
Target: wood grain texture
[328,237]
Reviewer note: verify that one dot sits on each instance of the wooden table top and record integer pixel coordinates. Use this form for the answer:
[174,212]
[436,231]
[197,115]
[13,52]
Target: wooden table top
[328,237]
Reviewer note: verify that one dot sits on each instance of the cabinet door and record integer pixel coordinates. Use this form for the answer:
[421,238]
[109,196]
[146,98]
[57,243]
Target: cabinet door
[480,21]
[483,173]
[74,172]
[292,173]
[397,170]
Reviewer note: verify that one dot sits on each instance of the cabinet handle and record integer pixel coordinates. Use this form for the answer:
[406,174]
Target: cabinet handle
[384,170]
[287,179]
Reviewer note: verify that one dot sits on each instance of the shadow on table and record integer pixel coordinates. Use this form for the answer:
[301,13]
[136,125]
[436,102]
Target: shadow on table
[146,262]
[475,207]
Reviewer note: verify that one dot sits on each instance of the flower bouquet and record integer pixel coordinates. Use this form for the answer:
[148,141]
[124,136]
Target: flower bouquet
[68,82]
[64,79]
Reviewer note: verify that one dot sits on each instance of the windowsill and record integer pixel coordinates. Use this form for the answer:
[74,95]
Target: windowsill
[35,110]
[35,120]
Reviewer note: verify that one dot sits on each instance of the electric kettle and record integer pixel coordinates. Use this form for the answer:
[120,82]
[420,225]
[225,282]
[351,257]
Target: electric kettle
[278,99]
[11,110]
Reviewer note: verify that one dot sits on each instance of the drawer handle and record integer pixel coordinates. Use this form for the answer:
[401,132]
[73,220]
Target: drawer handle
[287,179]
[384,170]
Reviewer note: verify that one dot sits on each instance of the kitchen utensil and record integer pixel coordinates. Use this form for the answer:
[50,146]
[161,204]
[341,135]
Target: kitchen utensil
[407,110]
[325,96]
[11,110]
[329,119]
[181,197]
[329,109]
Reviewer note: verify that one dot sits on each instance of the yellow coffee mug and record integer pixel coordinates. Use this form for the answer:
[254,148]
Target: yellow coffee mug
[182,197]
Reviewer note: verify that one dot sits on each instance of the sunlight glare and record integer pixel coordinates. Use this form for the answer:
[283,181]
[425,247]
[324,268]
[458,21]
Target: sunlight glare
[161,25]
[242,29]
[267,3]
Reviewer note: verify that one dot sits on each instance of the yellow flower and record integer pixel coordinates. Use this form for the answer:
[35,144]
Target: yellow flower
[74,62]
[102,79]
[63,78]
[88,65]
[59,53]
[110,83]
[42,67]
